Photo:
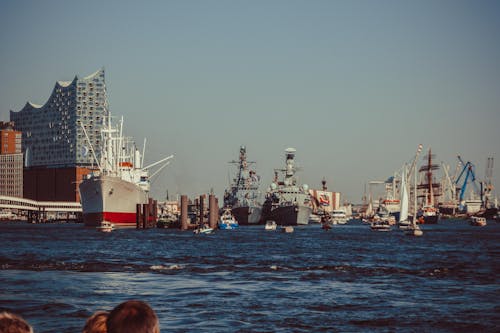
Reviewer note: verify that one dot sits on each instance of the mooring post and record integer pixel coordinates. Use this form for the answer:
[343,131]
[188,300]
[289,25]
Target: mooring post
[155,212]
[145,209]
[138,216]
[213,211]
[184,212]
[201,208]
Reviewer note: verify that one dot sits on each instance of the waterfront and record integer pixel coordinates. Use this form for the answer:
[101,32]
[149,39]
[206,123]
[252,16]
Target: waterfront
[349,279]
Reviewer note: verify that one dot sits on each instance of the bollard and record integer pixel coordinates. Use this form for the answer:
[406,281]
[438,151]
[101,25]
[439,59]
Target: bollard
[184,212]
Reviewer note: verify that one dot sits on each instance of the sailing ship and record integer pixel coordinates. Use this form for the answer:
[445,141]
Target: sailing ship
[430,190]
[403,222]
[243,197]
[111,193]
[412,228]
[287,203]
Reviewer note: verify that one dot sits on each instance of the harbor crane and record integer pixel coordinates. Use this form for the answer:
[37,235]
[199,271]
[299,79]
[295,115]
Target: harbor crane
[468,170]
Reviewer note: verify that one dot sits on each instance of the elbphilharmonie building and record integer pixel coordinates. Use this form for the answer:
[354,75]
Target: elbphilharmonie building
[57,137]
[54,133]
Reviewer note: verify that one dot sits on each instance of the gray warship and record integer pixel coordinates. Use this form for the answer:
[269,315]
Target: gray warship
[243,196]
[286,203]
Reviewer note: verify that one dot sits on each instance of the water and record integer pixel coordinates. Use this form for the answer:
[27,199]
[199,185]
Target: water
[349,279]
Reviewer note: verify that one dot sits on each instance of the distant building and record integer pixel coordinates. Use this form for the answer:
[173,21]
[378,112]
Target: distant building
[57,137]
[11,161]
[54,133]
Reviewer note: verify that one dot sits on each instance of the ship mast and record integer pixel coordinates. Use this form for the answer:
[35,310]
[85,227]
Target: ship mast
[431,189]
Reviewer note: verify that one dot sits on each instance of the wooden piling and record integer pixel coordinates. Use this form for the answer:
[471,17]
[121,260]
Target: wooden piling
[213,211]
[184,212]
[202,209]
[145,219]
[138,222]
[155,212]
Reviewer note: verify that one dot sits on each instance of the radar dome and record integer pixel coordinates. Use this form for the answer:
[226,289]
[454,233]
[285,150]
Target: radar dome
[305,187]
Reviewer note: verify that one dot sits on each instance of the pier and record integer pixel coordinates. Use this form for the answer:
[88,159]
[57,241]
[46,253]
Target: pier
[42,211]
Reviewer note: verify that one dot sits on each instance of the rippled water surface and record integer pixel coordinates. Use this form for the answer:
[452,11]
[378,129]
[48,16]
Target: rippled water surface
[349,279]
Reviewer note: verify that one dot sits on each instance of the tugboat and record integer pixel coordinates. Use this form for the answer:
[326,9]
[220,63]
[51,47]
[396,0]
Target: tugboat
[227,220]
[243,196]
[286,202]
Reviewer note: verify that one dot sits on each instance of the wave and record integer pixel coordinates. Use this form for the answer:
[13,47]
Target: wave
[313,272]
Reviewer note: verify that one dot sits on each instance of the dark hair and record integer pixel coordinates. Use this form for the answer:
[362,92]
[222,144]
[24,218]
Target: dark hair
[96,323]
[11,323]
[133,317]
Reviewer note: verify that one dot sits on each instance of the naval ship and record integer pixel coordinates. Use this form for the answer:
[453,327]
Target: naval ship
[243,196]
[287,203]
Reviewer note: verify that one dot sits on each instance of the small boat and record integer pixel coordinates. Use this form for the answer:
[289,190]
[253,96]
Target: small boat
[270,226]
[326,226]
[414,230]
[105,226]
[477,221]
[339,216]
[227,220]
[314,218]
[203,229]
[404,225]
[288,229]
[380,226]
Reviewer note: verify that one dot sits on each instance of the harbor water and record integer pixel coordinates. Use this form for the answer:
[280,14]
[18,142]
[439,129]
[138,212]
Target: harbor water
[348,279]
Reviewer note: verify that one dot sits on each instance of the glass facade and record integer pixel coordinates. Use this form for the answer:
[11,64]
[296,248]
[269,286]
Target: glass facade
[54,134]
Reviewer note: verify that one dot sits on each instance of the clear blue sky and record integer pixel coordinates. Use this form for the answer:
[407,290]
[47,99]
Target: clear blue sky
[354,86]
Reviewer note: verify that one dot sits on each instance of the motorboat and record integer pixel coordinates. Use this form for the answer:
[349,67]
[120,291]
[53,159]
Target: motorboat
[105,226]
[227,220]
[380,226]
[414,230]
[314,218]
[288,229]
[477,221]
[203,229]
[339,216]
[270,226]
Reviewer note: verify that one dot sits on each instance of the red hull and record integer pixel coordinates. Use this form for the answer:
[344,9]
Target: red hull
[118,219]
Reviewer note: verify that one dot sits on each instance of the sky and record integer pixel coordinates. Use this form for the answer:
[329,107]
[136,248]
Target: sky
[354,86]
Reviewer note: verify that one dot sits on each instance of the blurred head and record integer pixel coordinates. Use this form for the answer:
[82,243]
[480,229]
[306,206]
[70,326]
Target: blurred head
[11,323]
[133,317]
[96,323]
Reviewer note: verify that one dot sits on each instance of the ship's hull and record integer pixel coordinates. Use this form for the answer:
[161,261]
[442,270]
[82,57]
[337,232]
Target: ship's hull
[111,199]
[288,215]
[247,215]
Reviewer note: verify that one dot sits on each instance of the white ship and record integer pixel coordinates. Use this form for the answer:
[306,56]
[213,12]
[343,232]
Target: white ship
[111,193]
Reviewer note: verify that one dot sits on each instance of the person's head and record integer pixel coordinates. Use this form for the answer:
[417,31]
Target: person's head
[96,323]
[11,323]
[133,317]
